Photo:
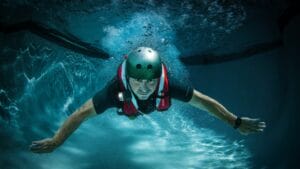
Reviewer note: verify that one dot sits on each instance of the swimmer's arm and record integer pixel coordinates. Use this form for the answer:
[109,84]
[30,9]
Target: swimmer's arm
[247,125]
[212,106]
[86,111]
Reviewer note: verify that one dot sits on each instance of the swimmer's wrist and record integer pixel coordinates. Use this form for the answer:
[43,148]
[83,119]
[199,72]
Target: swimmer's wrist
[57,141]
[231,119]
[237,123]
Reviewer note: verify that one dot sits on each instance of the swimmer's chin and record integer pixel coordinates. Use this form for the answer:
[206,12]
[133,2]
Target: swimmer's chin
[143,97]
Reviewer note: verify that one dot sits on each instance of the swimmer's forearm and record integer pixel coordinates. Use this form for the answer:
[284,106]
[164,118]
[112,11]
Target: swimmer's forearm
[212,106]
[73,122]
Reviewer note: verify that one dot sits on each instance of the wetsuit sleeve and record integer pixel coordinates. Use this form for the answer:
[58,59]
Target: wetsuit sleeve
[105,98]
[180,89]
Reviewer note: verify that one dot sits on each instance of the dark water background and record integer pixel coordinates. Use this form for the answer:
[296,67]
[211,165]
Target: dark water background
[42,83]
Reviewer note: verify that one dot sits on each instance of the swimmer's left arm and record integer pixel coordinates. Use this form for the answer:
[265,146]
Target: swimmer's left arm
[206,103]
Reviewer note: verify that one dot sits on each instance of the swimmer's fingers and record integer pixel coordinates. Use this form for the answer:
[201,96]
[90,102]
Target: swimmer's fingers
[251,129]
[249,126]
[43,149]
[43,146]
[258,126]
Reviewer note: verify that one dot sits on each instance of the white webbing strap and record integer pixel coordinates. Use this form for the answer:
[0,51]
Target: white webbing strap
[124,81]
[161,85]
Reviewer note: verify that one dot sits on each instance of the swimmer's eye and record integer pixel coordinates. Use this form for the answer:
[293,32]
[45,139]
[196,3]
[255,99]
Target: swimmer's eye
[152,81]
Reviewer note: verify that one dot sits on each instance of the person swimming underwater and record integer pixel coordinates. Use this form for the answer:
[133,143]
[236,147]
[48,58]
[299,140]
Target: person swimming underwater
[142,85]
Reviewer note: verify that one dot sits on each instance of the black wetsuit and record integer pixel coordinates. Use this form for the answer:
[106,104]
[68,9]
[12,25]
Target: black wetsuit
[180,89]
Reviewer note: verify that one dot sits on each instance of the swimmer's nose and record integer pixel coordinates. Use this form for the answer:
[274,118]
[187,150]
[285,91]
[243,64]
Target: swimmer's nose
[144,87]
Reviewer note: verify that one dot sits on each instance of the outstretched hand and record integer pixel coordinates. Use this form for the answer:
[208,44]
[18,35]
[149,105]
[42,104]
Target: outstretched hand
[43,146]
[249,126]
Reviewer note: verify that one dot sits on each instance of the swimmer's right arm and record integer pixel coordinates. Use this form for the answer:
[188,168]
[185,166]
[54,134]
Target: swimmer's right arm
[47,145]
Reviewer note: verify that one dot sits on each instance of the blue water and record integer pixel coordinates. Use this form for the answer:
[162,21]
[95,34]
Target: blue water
[45,83]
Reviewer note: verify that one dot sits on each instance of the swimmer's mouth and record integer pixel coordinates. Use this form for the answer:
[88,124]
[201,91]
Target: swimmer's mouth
[143,94]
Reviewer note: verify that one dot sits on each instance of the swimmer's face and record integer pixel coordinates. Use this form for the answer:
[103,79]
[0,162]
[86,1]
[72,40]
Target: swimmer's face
[143,88]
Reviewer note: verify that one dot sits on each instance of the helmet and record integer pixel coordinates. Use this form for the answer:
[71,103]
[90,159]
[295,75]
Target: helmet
[143,63]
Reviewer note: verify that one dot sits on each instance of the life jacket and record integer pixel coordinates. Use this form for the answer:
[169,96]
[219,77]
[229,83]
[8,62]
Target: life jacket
[127,98]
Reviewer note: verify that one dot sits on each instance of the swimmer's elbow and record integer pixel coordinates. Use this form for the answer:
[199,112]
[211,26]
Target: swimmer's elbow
[198,99]
[86,111]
